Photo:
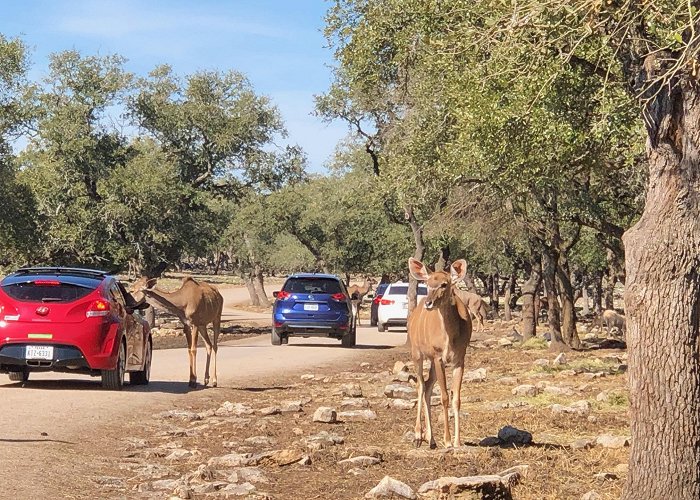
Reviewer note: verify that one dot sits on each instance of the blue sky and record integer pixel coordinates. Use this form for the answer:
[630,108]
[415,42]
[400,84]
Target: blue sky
[278,44]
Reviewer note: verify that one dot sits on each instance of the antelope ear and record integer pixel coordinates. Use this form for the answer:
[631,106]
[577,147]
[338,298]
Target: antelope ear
[417,269]
[458,270]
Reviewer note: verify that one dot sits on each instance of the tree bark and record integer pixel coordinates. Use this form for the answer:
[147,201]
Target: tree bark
[443,260]
[598,292]
[259,283]
[662,302]
[530,294]
[493,298]
[549,270]
[586,311]
[250,285]
[568,309]
[510,289]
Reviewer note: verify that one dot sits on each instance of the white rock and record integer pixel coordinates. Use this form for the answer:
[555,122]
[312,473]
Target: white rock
[541,362]
[308,376]
[361,461]
[357,415]
[591,495]
[525,390]
[325,414]
[398,391]
[239,489]
[402,404]
[355,403]
[478,375]
[352,390]
[610,441]
[560,359]
[505,343]
[399,367]
[390,488]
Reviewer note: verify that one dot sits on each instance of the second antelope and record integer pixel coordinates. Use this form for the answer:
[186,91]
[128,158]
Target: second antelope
[439,329]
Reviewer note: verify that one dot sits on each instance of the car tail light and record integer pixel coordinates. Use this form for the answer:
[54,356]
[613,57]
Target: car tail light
[338,296]
[278,324]
[98,307]
[46,283]
[377,299]
[283,295]
[386,302]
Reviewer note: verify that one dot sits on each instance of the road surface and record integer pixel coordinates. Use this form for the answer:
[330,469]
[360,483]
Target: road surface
[54,411]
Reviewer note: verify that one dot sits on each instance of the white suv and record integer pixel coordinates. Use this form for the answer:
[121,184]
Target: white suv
[393,306]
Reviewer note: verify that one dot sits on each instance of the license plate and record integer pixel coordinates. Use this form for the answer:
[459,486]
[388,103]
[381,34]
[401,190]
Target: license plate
[39,352]
[310,307]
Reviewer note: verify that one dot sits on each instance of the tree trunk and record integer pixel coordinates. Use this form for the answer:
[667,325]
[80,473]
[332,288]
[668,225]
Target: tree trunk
[493,298]
[250,285]
[662,303]
[510,288]
[417,231]
[259,283]
[530,293]
[549,271]
[598,292]
[586,311]
[568,309]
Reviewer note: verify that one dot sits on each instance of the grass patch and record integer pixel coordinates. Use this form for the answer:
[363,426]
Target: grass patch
[535,343]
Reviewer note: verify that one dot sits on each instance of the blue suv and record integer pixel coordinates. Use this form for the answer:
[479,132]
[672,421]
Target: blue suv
[313,305]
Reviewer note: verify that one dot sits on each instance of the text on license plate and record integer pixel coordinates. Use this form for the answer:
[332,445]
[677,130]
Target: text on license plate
[310,307]
[39,352]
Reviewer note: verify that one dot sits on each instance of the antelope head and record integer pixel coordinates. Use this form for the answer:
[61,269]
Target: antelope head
[439,283]
[137,287]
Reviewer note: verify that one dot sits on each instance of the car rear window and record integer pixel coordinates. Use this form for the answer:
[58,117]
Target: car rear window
[403,290]
[51,292]
[312,285]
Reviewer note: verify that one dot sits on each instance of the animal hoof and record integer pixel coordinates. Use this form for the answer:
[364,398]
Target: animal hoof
[193,383]
[417,442]
[433,445]
[213,384]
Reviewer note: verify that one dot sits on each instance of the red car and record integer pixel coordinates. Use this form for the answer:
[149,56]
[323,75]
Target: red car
[72,320]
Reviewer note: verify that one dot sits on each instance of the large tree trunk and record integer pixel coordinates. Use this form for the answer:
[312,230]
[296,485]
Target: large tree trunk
[259,283]
[443,260]
[662,302]
[510,289]
[568,309]
[530,294]
[250,285]
[549,270]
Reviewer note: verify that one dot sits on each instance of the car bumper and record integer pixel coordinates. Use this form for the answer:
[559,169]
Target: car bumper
[74,345]
[311,329]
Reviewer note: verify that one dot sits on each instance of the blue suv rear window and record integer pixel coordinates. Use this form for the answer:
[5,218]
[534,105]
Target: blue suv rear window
[312,285]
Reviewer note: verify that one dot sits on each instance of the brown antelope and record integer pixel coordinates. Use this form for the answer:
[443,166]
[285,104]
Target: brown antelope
[439,329]
[196,305]
[357,293]
[476,305]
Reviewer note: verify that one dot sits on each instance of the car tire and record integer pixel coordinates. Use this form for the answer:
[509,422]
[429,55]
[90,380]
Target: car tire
[22,376]
[275,337]
[381,327]
[350,338]
[144,376]
[113,380]
[285,339]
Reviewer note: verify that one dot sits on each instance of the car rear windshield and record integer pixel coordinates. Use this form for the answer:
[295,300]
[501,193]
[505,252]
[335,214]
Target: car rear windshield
[51,291]
[403,290]
[312,285]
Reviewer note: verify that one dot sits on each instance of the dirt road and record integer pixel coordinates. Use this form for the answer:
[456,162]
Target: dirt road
[54,430]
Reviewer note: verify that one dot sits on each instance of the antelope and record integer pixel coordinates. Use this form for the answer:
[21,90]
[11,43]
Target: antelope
[196,305]
[610,318]
[357,293]
[439,329]
[476,305]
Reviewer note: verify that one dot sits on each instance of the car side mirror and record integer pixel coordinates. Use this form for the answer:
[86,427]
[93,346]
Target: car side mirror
[274,294]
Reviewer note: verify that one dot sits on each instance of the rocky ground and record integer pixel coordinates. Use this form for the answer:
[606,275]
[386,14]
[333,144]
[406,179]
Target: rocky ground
[534,426]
